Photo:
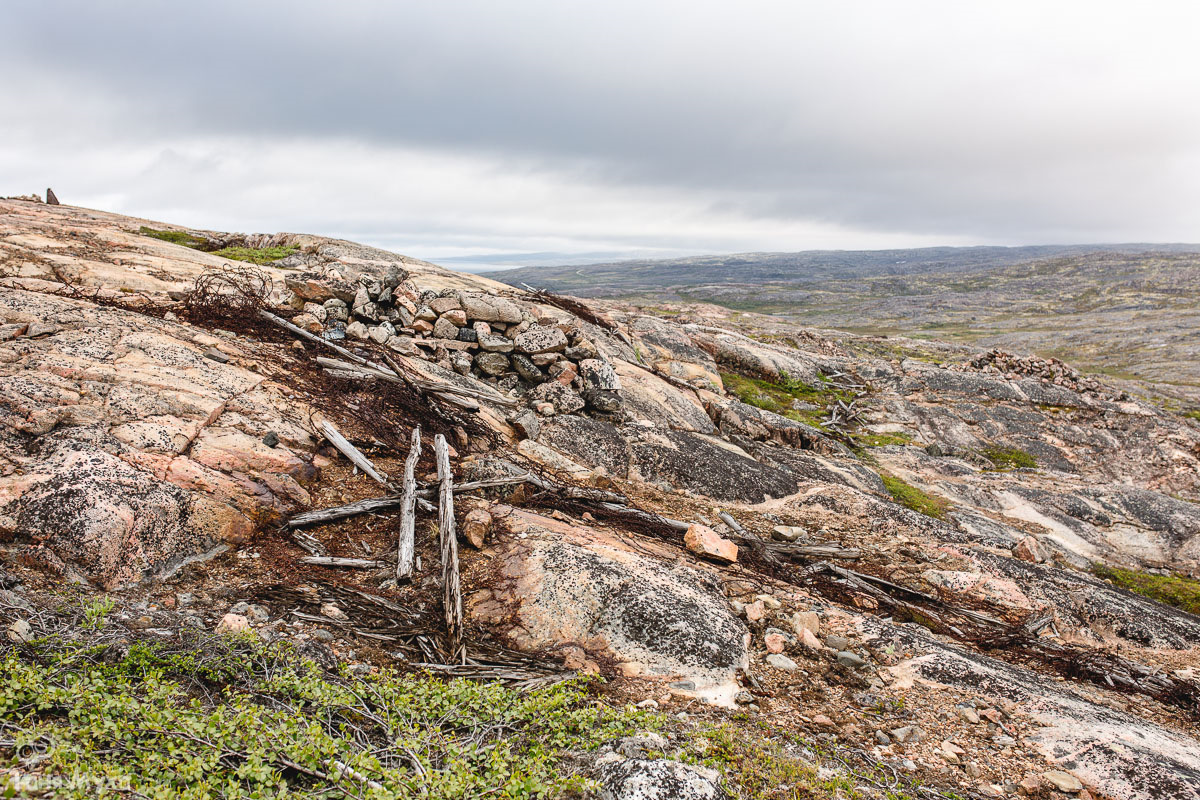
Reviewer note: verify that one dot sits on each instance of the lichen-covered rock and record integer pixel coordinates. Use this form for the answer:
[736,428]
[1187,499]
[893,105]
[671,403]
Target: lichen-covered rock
[527,369]
[645,396]
[139,453]
[692,462]
[443,328]
[489,308]
[658,779]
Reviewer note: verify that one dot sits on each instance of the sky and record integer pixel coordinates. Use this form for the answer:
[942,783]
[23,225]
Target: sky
[480,130]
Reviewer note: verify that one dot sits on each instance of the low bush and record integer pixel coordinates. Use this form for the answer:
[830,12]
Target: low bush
[248,720]
[1173,590]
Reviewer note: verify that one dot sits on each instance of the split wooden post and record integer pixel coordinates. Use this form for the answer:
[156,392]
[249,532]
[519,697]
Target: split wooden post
[407,543]
[451,592]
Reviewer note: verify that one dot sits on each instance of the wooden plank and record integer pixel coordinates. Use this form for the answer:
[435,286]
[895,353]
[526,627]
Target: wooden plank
[333,561]
[408,512]
[451,591]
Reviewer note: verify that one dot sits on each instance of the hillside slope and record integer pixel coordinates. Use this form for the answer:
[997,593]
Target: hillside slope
[839,565]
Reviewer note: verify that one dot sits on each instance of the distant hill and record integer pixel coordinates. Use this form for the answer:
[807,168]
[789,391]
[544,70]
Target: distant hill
[635,277]
[1124,310]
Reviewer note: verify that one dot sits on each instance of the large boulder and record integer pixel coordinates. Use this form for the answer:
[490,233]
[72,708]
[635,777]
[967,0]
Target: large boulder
[648,398]
[588,596]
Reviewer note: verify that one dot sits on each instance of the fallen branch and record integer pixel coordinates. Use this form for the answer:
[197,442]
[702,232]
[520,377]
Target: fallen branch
[351,452]
[407,542]
[326,515]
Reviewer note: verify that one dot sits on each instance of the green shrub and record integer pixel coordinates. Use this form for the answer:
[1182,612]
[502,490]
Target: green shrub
[256,255]
[779,397]
[1008,458]
[881,439]
[249,720]
[1173,590]
[910,496]
[175,237]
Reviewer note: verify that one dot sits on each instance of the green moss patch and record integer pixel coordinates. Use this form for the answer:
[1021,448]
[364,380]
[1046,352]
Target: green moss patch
[911,497]
[256,255]
[1173,590]
[1008,458]
[881,439]
[779,397]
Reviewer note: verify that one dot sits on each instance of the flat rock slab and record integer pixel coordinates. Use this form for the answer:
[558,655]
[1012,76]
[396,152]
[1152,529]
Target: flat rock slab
[692,462]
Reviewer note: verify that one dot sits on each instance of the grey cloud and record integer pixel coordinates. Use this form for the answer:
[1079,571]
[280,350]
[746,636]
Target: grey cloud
[1007,123]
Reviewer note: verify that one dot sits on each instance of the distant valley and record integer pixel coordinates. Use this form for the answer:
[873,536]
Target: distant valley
[1122,310]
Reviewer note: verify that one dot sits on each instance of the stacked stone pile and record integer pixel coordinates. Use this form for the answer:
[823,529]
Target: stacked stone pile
[1047,370]
[498,340]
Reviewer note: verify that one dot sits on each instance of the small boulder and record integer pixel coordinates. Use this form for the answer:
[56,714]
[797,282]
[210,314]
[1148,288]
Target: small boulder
[598,374]
[527,369]
[441,305]
[308,322]
[475,527]
[20,632]
[1029,550]
[541,339]
[233,623]
[806,620]
[336,310]
[704,541]
[357,330]
[495,343]
[658,779]
[443,328]
[780,661]
[526,424]
[456,317]
[787,533]
[563,399]
[492,363]
[1063,781]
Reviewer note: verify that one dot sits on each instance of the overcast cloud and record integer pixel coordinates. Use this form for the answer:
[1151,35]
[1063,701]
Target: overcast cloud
[452,128]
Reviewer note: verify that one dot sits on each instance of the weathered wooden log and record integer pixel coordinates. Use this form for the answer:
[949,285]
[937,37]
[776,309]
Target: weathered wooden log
[334,561]
[408,510]
[451,592]
[351,452]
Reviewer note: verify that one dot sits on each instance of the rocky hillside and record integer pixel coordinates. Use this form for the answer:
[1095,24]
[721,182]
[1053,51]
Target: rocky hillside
[814,563]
